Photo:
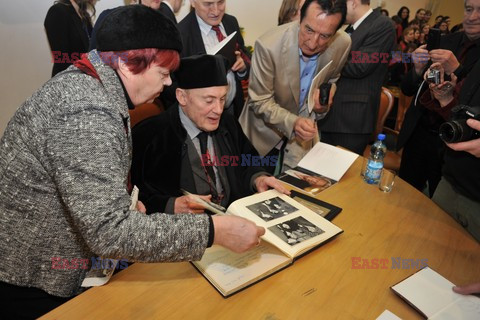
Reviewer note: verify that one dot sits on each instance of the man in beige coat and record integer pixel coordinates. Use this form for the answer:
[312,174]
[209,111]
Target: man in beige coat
[284,63]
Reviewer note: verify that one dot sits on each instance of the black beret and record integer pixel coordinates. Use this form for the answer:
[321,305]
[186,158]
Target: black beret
[202,71]
[133,27]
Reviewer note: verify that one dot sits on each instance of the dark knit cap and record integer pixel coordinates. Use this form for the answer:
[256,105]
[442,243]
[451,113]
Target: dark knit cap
[137,27]
[202,71]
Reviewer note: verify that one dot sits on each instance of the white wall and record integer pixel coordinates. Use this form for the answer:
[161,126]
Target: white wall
[25,61]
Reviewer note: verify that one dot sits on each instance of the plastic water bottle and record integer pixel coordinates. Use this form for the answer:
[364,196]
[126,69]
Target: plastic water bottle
[375,161]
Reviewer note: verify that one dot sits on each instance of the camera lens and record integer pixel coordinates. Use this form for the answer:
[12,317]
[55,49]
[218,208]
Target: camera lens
[455,131]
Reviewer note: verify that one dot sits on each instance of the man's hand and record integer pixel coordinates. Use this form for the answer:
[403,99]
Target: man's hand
[187,204]
[472,146]
[141,207]
[318,108]
[420,58]
[443,92]
[263,183]
[305,128]
[239,65]
[473,288]
[236,233]
[446,58]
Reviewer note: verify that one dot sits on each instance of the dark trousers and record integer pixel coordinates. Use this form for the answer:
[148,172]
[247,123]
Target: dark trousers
[26,303]
[422,159]
[351,141]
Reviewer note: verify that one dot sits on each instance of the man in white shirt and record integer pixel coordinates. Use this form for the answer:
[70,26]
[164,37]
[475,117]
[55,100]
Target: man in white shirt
[205,27]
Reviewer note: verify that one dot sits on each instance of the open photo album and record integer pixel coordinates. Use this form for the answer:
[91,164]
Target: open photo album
[292,230]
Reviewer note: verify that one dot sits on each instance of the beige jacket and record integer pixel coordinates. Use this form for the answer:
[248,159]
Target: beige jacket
[271,109]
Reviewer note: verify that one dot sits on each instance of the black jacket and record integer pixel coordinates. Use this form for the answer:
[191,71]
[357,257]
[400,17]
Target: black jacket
[159,145]
[193,44]
[66,35]
[410,84]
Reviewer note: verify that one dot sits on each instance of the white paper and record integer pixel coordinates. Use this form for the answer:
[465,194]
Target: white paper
[388,315]
[432,294]
[328,161]
[316,82]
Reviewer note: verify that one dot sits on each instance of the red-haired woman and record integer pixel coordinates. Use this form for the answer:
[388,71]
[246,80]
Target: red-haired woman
[64,163]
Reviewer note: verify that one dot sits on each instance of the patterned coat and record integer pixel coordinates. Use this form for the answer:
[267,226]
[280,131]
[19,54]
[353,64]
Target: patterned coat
[64,162]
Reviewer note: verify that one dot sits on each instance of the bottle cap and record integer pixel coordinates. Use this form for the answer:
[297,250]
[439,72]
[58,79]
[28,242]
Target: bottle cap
[381,136]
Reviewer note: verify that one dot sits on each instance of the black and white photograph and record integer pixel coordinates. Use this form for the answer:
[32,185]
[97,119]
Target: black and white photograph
[296,231]
[272,208]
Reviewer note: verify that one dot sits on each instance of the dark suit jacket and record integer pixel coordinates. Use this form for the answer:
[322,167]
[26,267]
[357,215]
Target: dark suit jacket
[165,9]
[66,34]
[355,106]
[410,84]
[159,145]
[193,44]
[461,168]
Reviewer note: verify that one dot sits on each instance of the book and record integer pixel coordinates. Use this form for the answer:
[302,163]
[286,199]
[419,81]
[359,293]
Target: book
[322,208]
[292,230]
[322,167]
[432,296]
[226,48]
[318,80]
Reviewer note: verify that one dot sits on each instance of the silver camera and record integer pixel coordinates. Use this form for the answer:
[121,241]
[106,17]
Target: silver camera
[433,76]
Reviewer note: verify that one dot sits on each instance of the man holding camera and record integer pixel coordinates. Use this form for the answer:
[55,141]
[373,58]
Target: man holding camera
[458,193]
[423,150]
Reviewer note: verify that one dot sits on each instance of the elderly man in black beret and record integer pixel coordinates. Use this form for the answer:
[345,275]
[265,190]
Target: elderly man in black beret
[64,163]
[196,147]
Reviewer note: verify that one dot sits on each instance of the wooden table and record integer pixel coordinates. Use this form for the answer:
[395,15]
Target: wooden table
[321,285]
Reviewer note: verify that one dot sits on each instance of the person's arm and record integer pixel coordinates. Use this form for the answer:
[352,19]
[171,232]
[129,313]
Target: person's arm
[242,66]
[263,183]
[261,93]
[443,97]
[413,78]
[86,154]
[472,146]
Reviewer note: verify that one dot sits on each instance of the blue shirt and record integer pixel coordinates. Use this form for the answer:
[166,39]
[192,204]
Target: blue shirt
[307,71]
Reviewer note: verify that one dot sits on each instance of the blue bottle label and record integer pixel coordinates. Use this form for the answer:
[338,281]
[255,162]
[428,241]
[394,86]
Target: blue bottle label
[373,172]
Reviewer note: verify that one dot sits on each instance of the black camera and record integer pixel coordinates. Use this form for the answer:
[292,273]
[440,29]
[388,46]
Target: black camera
[433,76]
[325,93]
[457,129]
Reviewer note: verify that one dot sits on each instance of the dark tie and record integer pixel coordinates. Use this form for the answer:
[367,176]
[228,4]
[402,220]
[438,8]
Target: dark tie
[206,159]
[219,33]
[349,29]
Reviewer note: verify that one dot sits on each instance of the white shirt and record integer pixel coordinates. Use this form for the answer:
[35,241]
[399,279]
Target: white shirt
[359,21]
[210,40]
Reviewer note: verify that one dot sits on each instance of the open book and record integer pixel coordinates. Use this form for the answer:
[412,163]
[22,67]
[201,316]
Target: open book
[292,230]
[323,166]
[226,48]
[431,295]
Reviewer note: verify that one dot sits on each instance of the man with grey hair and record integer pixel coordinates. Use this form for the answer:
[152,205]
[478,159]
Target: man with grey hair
[206,26]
